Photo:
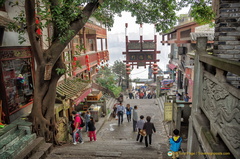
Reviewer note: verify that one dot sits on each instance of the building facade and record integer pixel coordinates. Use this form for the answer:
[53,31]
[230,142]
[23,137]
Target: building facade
[83,56]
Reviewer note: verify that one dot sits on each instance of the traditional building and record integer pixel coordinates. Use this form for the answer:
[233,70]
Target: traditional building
[141,53]
[182,40]
[83,56]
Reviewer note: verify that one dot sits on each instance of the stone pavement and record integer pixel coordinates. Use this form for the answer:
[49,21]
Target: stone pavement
[115,141]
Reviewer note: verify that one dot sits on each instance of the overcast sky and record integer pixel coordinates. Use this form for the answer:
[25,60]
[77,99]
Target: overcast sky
[116,42]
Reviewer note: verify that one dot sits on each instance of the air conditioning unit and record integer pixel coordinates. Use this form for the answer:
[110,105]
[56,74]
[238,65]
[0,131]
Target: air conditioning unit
[182,50]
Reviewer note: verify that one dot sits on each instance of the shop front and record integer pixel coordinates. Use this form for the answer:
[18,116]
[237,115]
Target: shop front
[16,72]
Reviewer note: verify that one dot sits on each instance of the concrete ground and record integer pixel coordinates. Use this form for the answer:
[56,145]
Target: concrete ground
[115,141]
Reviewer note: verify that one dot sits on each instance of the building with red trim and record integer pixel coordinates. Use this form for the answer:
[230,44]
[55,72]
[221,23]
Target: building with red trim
[83,56]
[182,40]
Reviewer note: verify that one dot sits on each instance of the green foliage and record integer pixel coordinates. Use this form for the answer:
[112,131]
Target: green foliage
[60,71]
[107,79]
[202,12]
[62,13]
[119,68]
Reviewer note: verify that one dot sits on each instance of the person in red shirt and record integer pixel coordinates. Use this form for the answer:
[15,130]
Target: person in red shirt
[77,129]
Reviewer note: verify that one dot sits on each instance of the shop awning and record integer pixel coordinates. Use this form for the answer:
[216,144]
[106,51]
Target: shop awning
[74,89]
[172,66]
[82,96]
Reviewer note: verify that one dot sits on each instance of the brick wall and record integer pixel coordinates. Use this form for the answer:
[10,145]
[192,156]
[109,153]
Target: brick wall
[227,30]
[227,34]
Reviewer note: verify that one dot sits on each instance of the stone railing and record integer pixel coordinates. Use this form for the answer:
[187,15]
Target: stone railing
[218,100]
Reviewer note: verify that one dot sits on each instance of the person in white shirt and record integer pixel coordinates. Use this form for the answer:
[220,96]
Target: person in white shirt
[135,118]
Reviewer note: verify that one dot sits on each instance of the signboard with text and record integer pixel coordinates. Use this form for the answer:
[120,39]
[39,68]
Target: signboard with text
[168,108]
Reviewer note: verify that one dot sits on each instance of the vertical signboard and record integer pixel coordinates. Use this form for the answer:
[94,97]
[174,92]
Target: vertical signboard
[168,109]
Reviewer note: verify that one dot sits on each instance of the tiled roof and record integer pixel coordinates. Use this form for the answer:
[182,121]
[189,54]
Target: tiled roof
[72,88]
[194,36]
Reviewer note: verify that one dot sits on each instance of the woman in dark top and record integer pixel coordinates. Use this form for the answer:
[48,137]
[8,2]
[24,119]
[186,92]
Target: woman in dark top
[92,129]
[149,128]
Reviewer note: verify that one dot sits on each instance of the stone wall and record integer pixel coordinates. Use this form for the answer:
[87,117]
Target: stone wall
[227,34]
[214,120]
[227,30]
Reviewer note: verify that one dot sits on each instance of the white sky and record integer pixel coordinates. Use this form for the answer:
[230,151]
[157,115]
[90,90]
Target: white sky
[116,42]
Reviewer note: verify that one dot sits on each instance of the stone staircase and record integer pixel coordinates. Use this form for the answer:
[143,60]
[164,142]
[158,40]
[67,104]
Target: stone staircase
[17,142]
[110,149]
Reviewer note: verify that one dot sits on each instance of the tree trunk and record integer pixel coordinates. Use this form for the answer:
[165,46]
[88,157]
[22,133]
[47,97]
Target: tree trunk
[42,115]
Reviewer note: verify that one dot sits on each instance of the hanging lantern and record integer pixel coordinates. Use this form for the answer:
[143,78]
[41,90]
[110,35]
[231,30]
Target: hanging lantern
[155,65]
[155,69]
[128,69]
[37,21]
[39,31]
[97,70]
[74,58]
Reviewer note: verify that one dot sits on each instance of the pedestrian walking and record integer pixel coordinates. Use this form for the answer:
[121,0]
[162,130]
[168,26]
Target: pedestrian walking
[178,95]
[149,128]
[128,112]
[120,112]
[77,128]
[130,94]
[139,126]
[135,118]
[120,98]
[175,144]
[186,97]
[92,130]
[87,119]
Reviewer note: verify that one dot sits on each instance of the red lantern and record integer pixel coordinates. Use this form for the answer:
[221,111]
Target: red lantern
[128,69]
[155,68]
[155,65]
[37,20]
[128,65]
[155,72]
[128,72]
[39,31]
[97,70]
[74,58]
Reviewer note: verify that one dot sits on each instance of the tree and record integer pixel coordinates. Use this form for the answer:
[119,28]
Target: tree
[67,18]
[119,68]
[107,79]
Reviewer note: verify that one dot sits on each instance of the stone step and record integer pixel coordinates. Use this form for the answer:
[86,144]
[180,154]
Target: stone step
[7,131]
[110,149]
[13,137]
[18,146]
[42,151]
[31,148]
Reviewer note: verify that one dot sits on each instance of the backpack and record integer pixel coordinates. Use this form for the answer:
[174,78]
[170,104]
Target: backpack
[82,122]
